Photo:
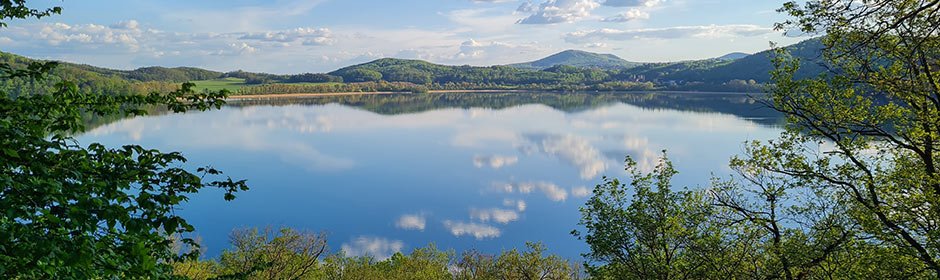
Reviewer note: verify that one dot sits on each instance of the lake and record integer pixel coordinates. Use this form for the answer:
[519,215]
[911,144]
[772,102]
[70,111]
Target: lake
[487,171]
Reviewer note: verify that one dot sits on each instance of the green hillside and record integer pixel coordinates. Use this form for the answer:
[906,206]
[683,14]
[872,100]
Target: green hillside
[422,72]
[733,56]
[755,67]
[578,58]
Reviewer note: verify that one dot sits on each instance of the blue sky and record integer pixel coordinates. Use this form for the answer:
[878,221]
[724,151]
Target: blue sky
[290,36]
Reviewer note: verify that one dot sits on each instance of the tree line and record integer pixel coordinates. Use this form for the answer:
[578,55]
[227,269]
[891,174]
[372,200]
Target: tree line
[292,254]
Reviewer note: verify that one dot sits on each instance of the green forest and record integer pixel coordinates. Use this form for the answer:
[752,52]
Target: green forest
[849,190]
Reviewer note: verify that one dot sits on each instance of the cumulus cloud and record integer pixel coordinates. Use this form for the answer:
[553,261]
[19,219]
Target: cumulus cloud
[132,41]
[494,161]
[550,190]
[240,48]
[376,247]
[573,149]
[632,3]
[127,25]
[501,216]
[411,222]
[631,15]
[125,35]
[556,11]
[478,231]
[704,31]
[305,35]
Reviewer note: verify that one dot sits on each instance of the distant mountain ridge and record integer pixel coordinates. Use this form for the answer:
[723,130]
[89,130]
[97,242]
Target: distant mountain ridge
[578,58]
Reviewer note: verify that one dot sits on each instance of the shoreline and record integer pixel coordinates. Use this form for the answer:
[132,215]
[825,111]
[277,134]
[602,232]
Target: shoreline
[335,94]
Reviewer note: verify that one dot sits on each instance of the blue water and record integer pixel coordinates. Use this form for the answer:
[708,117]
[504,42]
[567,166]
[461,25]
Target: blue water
[380,177]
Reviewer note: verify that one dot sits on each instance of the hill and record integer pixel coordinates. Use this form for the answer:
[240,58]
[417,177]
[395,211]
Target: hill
[568,70]
[755,67]
[733,56]
[103,80]
[466,77]
[578,58]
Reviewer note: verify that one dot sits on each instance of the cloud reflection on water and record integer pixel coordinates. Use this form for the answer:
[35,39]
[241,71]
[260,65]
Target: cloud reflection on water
[494,161]
[551,191]
[501,216]
[478,231]
[539,150]
[377,247]
[411,222]
[575,150]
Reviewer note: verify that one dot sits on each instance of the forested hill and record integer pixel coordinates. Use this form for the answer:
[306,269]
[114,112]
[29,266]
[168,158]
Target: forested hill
[104,80]
[457,77]
[569,70]
[755,67]
[733,56]
[578,58]
[145,74]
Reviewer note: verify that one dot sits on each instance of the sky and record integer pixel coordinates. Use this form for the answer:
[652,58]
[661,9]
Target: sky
[295,36]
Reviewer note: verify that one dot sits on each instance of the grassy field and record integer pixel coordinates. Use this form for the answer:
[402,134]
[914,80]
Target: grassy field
[231,84]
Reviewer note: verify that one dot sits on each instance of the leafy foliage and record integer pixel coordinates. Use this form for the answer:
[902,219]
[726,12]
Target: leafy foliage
[761,226]
[878,117]
[290,254]
[73,212]
[655,232]
[851,189]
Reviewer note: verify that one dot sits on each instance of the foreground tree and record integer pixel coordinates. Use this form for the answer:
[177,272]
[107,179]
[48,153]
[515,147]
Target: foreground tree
[92,212]
[869,131]
[646,230]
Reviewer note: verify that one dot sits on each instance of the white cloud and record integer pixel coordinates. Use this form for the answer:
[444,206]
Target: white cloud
[233,49]
[630,15]
[557,11]
[306,35]
[478,231]
[136,42]
[494,161]
[501,216]
[704,31]
[411,222]
[377,247]
[128,25]
[632,3]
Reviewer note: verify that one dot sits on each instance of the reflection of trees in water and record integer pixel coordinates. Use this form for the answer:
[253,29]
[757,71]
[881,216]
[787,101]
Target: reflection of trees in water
[741,105]
[737,104]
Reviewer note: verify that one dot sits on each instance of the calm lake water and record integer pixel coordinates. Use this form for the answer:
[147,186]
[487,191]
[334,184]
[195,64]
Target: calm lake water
[381,174]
